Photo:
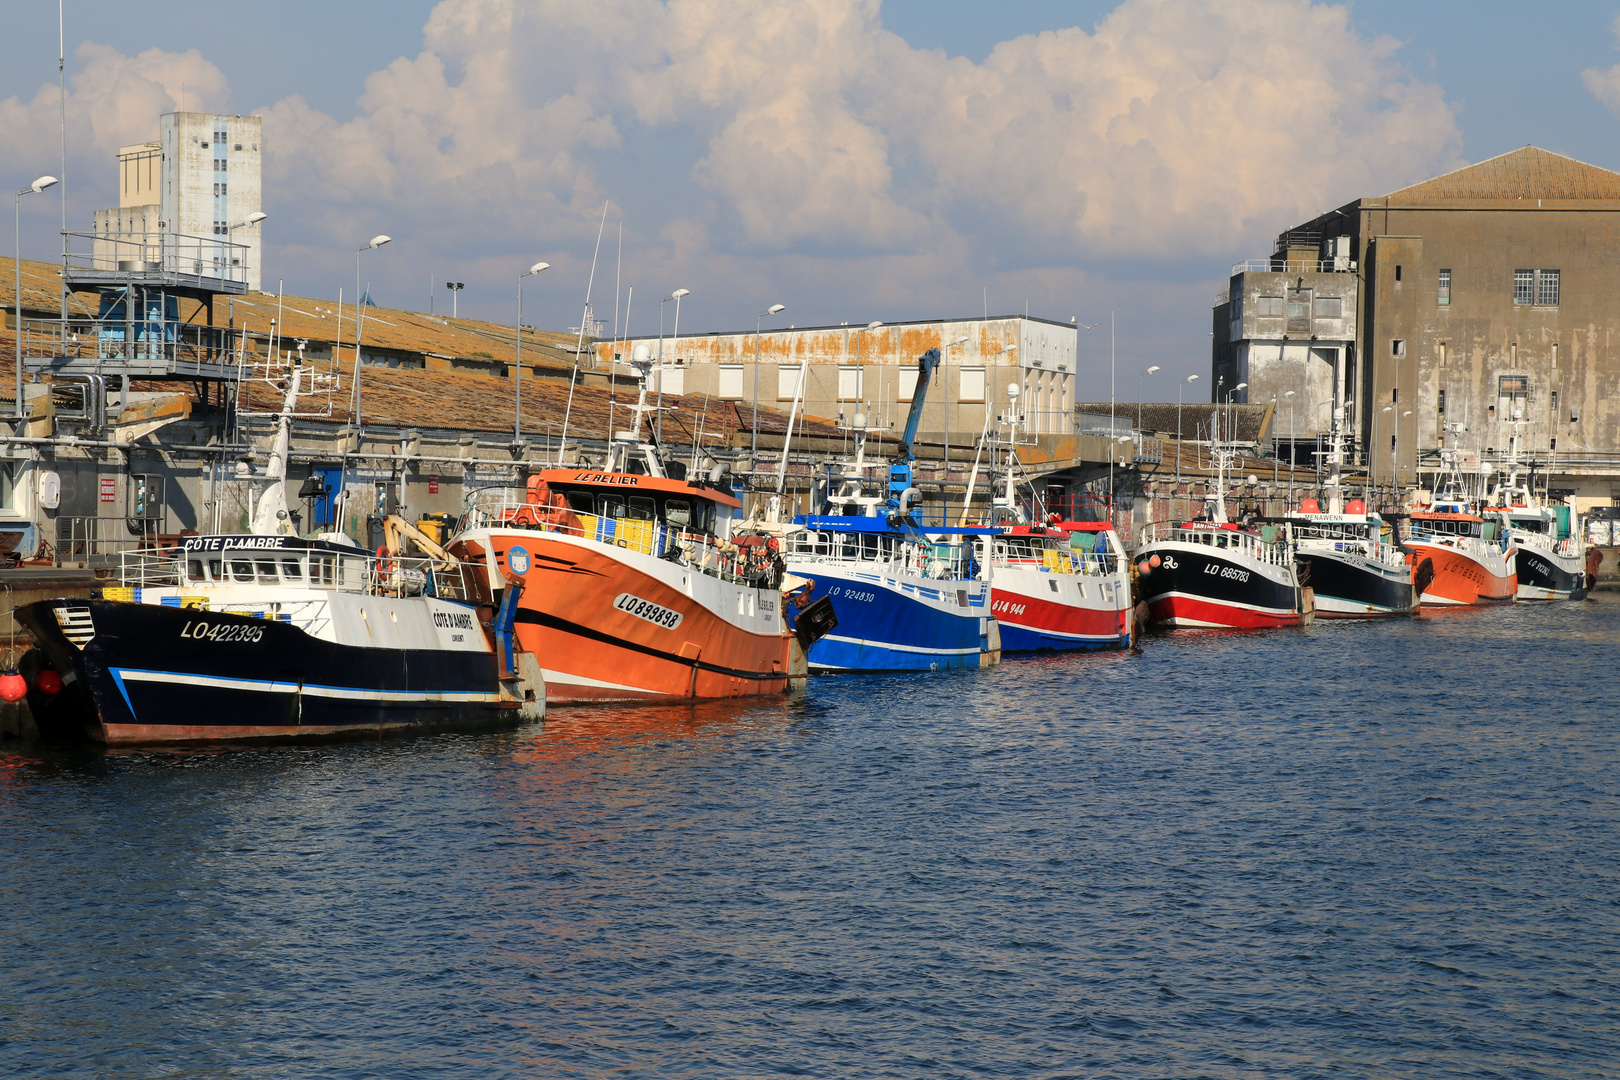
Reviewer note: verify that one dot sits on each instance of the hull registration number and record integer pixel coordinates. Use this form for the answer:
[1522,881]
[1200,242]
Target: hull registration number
[656,614]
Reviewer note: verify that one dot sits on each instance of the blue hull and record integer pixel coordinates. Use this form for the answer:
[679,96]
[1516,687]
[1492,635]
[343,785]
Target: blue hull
[883,627]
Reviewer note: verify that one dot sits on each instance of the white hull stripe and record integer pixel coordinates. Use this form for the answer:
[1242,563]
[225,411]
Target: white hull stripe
[901,648]
[568,678]
[270,686]
[1223,603]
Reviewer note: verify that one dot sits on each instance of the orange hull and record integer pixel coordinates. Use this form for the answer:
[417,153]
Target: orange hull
[1460,579]
[594,646]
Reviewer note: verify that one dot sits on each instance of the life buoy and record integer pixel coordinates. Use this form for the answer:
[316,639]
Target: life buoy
[385,562]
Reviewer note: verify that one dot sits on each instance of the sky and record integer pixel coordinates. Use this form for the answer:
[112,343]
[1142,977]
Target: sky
[853,159]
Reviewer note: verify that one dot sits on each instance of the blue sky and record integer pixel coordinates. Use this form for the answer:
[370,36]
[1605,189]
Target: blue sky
[825,154]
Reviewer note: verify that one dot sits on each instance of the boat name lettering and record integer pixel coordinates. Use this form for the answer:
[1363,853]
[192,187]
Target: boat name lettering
[222,632]
[459,620]
[1227,572]
[607,478]
[239,543]
[656,614]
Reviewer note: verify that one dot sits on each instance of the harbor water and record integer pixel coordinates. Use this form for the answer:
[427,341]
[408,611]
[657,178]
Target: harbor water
[1352,850]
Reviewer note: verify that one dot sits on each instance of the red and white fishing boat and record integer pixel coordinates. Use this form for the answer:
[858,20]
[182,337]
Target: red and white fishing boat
[638,586]
[1062,587]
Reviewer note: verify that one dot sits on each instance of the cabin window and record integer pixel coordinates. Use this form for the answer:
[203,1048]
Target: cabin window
[823,544]
[869,546]
[320,570]
[678,513]
[194,569]
[267,572]
[292,570]
[241,570]
[642,509]
[216,570]
[582,502]
[610,506]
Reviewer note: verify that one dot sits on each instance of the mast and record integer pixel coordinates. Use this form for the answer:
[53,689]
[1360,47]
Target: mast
[270,513]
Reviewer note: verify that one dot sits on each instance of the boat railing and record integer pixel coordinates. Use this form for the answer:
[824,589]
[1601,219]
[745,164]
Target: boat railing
[743,560]
[1275,552]
[884,555]
[1053,560]
[356,572]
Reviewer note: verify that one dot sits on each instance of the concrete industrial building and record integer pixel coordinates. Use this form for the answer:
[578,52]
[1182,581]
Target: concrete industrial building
[1486,300]
[873,370]
[201,178]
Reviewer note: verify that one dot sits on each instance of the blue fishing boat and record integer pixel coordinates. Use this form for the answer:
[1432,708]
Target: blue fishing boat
[905,598]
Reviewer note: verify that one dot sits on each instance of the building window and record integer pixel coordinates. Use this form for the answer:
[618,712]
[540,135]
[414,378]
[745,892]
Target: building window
[1440,403]
[1547,288]
[972,386]
[849,383]
[1329,307]
[908,383]
[672,379]
[1524,286]
[1395,396]
[1445,287]
[787,381]
[1538,287]
[1268,307]
[1397,348]
[1555,406]
[1397,272]
[731,381]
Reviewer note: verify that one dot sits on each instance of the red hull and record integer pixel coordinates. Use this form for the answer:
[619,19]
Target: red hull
[1189,611]
[1044,616]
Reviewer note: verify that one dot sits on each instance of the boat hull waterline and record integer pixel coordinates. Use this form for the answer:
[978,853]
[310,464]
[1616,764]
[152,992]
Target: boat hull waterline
[1198,587]
[1351,587]
[144,673]
[613,625]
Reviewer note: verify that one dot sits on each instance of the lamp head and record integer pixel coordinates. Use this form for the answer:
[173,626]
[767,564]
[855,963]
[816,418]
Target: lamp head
[1190,378]
[1289,393]
[873,325]
[678,293]
[958,341]
[42,183]
[1240,386]
[379,240]
[1151,370]
[536,268]
[256,217]
[776,309]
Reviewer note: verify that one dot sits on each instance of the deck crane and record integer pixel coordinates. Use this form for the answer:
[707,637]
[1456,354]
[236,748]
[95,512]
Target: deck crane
[901,490]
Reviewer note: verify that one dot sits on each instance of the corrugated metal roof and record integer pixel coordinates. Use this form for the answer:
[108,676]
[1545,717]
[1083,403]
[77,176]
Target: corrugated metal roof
[1527,173]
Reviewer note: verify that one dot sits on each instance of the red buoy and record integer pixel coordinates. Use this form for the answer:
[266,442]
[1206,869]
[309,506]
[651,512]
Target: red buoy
[1154,562]
[1310,506]
[13,687]
[48,681]
[1143,567]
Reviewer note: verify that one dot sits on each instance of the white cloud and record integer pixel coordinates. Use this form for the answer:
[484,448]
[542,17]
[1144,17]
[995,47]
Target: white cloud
[1604,83]
[796,145]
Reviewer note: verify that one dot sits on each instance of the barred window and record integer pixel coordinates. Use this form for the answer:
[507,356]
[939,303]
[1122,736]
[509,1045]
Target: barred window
[1547,288]
[1524,286]
[1445,287]
[1538,287]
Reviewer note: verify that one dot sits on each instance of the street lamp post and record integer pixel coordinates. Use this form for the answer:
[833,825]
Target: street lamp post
[1291,456]
[455,288]
[16,214]
[517,407]
[770,312]
[860,374]
[945,368]
[1182,385]
[359,317]
[1139,375]
[675,296]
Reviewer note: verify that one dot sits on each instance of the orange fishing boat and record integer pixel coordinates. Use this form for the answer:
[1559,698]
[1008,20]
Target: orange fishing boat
[1471,565]
[637,585]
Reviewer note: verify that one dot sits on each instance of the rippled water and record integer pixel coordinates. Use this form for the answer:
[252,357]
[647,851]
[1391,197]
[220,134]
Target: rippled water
[1351,851]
